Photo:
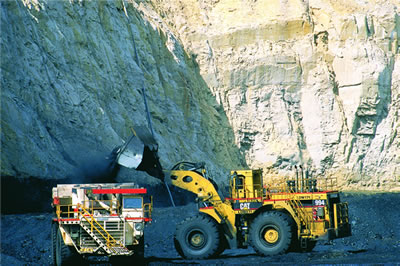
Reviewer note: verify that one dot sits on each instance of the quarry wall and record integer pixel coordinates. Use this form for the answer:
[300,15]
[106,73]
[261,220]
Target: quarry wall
[241,83]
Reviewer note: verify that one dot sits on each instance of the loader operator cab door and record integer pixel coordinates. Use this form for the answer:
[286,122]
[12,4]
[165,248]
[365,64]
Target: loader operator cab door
[237,184]
[246,183]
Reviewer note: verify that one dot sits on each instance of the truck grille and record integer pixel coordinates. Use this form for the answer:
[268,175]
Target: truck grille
[115,228]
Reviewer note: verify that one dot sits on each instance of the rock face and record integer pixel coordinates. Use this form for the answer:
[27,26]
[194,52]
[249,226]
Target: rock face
[314,82]
[71,90]
[263,83]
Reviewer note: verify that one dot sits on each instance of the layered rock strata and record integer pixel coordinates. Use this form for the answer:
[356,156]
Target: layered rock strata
[268,84]
[311,82]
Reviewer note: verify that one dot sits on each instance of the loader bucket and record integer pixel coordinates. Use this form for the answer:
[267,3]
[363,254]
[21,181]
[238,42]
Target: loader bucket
[140,153]
[131,154]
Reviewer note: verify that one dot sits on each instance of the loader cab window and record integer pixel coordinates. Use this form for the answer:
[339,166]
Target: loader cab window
[239,182]
[132,203]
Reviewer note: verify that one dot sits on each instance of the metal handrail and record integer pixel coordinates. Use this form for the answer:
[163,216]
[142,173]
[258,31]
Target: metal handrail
[323,184]
[68,212]
[110,239]
[298,208]
[92,208]
[148,208]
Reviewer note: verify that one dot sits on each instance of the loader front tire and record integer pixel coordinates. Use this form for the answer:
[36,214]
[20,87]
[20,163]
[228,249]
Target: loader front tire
[270,233]
[198,237]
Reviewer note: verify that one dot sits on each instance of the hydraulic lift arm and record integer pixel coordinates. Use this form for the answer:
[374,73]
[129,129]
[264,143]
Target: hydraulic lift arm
[194,179]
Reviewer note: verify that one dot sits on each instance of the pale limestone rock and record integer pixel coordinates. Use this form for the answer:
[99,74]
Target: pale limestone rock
[311,82]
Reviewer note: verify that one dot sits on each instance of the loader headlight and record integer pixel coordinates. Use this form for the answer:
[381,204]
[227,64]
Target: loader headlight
[321,212]
[139,226]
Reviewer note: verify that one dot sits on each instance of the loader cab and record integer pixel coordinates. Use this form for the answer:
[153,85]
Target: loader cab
[246,183]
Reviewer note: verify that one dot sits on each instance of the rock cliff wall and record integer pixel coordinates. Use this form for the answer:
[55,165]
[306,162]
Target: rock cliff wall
[313,82]
[71,91]
[279,82]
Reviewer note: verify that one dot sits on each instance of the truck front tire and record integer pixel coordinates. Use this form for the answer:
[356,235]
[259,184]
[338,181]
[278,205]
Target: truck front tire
[54,228]
[64,255]
[139,249]
[198,237]
[270,233]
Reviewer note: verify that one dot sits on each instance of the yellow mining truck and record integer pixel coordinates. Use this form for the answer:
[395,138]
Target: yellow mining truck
[98,219]
[290,215]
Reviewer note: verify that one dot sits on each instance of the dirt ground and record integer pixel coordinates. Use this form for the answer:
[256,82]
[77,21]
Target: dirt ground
[25,238]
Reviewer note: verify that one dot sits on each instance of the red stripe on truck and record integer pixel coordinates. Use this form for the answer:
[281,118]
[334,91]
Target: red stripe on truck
[65,220]
[137,218]
[120,191]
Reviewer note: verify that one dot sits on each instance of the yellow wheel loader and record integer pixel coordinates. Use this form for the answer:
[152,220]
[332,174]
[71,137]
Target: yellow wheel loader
[285,215]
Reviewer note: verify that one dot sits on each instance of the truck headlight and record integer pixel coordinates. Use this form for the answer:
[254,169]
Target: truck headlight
[139,226]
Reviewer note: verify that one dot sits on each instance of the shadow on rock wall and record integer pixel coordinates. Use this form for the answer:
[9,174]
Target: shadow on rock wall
[67,97]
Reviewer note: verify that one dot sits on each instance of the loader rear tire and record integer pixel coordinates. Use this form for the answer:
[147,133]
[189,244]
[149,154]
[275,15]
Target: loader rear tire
[198,237]
[65,255]
[270,233]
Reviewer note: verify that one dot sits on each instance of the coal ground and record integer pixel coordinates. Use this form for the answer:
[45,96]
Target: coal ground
[375,219]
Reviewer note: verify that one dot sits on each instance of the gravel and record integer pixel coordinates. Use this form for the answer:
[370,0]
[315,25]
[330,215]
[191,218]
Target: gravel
[25,238]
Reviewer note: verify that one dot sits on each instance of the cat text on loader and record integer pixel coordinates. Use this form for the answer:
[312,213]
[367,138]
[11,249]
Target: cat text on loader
[291,215]
[98,219]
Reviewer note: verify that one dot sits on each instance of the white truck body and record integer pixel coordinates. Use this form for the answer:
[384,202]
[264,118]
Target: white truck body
[99,219]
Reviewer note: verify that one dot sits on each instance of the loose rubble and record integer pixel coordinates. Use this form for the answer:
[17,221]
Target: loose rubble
[25,238]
